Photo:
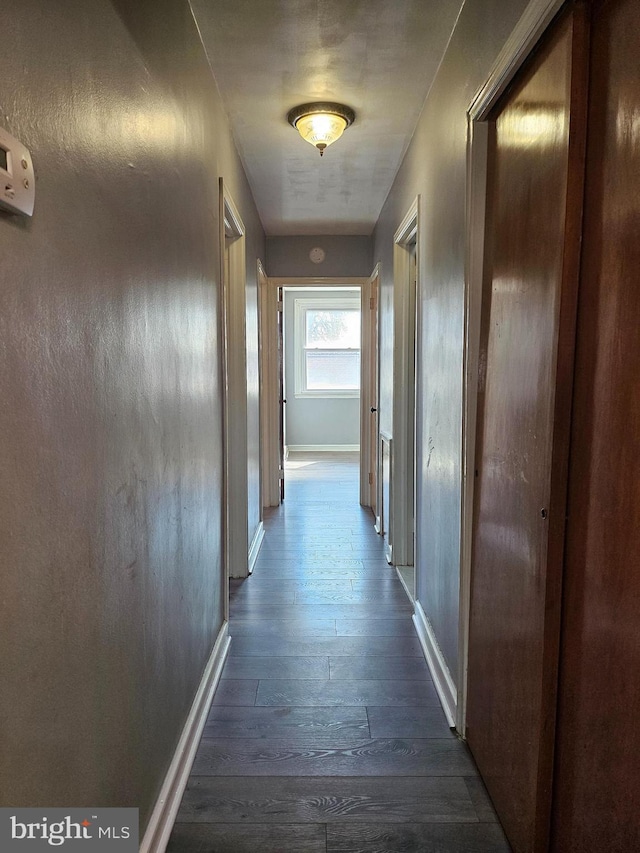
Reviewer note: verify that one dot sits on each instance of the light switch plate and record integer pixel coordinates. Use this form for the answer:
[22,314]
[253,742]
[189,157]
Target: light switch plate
[17,178]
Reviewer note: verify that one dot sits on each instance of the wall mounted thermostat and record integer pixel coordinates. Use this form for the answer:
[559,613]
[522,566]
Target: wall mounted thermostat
[17,180]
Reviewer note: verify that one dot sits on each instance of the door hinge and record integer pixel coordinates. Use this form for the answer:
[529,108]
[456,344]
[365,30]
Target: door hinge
[280,306]
[370,478]
[281,474]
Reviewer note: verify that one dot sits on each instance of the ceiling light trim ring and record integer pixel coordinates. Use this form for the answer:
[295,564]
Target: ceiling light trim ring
[321,107]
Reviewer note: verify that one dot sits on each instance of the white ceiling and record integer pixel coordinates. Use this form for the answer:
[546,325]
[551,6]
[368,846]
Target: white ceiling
[377,56]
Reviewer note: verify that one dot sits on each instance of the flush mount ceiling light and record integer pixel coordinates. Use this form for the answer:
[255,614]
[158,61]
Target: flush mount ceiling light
[321,123]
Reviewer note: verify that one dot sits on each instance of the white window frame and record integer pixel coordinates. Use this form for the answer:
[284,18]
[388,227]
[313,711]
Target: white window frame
[301,306]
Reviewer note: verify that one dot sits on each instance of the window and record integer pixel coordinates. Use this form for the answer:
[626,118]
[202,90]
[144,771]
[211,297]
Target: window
[327,343]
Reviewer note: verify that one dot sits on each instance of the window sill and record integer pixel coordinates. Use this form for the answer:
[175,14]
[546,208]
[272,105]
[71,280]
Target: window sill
[327,395]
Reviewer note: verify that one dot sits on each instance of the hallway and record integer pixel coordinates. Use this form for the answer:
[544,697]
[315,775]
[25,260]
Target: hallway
[326,733]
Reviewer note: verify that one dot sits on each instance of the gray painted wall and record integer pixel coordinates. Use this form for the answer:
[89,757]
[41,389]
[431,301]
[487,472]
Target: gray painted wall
[110,424]
[435,168]
[348,256]
[323,420]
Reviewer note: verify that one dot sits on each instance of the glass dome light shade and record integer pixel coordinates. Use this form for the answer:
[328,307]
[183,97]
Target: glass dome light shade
[321,123]
[321,129]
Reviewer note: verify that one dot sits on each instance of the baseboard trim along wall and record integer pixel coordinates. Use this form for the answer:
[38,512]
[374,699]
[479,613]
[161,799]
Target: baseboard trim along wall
[329,448]
[254,550]
[445,686]
[401,572]
[157,834]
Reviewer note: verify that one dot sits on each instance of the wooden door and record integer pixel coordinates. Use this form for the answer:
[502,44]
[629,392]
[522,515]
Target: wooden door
[526,358]
[597,784]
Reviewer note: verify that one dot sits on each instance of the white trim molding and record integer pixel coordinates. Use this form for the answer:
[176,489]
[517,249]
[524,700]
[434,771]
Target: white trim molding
[401,571]
[406,265]
[323,448]
[234,335]
[256,544]
[318,281]
[445,687]
[524,37]
[385,493]
[369,392]
[268,307]
[166,808]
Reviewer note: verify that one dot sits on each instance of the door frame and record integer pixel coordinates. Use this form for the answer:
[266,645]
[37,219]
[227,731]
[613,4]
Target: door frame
[262,357]
[405,336]
[373,432]
[268,303]
[531,27]
[234,387]
[269,400]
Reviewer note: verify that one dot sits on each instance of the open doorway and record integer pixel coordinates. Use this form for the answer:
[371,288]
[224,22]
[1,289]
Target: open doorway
[322,359]
[326,398]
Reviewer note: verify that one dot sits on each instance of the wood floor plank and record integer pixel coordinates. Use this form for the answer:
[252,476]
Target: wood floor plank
[294,627]
[319,550]
[296,539]
[251,596]
[215,799]
[276,667]
[367,668]
[480,798]
[415,838]
[421,722]
[326,646]
[382,584]
[369,757]
[394,595]
[293,723]
[401,627]
[236,692]
[291,572]
[306,560]
[339,584]
[311,693]
[247,838]
[365,610]
[307,541]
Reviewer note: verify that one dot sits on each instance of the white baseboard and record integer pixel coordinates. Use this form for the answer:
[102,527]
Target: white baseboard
[388,553]
[329,448]
[445,686]
[254,550]
[409,592]
[164,813]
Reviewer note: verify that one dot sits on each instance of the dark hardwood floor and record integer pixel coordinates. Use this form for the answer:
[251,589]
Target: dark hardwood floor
[325,734]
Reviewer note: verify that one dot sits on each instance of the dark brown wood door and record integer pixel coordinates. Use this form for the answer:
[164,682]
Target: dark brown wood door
[524,397]
[597,787]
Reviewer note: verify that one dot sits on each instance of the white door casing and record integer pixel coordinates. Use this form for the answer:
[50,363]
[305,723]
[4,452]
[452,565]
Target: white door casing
[406,267]
[270,381]
[233,311]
